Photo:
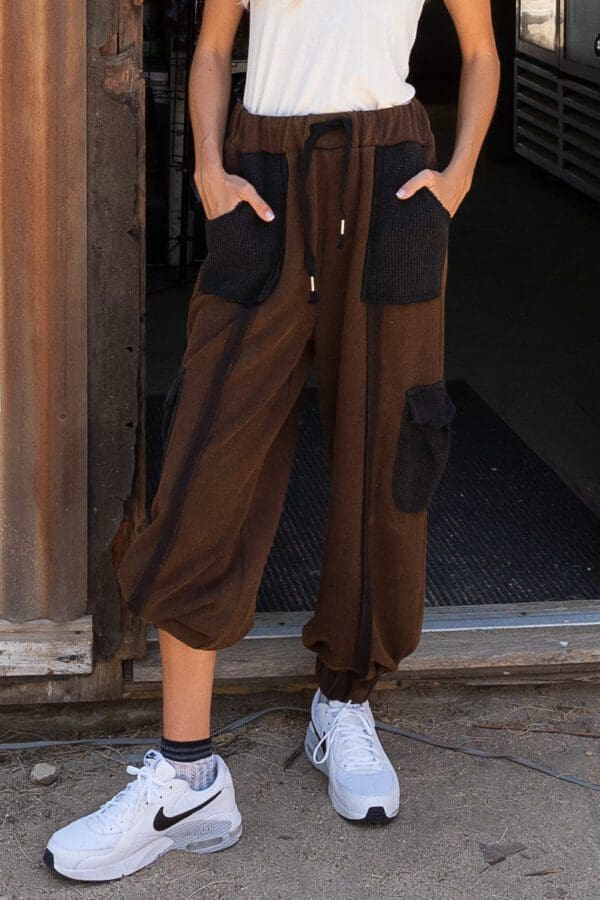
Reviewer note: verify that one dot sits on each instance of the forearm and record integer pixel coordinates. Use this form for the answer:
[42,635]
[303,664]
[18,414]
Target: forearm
[478,92]
[209,93]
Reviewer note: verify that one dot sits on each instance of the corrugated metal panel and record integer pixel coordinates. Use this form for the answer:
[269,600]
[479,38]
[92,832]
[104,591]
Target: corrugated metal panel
[43,421]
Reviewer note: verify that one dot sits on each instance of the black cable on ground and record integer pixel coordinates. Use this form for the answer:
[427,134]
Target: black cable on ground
[253,717]
[488,754]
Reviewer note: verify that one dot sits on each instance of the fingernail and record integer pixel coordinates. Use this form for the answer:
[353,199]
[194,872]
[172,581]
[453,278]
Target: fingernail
[400,192]
[270,215]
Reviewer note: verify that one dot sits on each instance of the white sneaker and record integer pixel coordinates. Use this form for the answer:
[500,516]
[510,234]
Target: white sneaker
[341,741]
[154,813]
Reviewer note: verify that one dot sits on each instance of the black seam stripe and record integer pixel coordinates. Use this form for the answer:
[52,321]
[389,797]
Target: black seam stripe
[197,446]
[362,656]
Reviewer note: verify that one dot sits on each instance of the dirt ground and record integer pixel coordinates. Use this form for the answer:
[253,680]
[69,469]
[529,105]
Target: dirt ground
[468,828]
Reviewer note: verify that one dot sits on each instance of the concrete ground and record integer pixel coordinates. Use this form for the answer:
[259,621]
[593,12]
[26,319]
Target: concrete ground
[468,829]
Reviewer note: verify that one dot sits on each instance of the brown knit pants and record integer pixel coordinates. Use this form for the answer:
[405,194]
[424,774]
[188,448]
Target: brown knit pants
[351,278]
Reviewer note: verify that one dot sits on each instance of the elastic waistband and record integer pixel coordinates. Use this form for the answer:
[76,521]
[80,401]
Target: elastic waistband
[370,127]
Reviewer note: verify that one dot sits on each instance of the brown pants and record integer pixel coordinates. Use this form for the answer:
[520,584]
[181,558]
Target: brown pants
[352,279]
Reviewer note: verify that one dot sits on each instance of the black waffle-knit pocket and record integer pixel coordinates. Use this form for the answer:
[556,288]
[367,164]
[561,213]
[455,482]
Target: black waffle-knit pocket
[407,239]
[244,253]
[423,446]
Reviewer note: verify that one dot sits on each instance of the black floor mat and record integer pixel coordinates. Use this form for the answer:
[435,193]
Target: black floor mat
[503,527]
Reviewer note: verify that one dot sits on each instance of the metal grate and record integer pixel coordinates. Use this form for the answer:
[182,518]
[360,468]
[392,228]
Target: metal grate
[504,528]
[175,218]
[557,125]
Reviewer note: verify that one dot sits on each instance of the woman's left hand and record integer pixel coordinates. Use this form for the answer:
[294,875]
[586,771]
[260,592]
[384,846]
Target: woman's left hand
[446,186]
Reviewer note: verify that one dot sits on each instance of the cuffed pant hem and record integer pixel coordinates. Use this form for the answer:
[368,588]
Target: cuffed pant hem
[196,639]
[346,685]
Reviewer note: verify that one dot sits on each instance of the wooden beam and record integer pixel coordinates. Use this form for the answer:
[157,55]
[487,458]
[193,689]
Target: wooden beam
[43,647]
[498,615]
[498,647]
[104,683]
[116,289]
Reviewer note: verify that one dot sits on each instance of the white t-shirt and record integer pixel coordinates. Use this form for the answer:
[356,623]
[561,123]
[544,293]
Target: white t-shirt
[329,55]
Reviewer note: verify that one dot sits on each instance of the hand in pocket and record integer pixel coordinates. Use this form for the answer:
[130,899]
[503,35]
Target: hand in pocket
[446,187]
[220,193]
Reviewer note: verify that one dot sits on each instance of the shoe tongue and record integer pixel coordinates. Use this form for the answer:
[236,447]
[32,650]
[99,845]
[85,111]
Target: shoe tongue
[160,766]
[335,704]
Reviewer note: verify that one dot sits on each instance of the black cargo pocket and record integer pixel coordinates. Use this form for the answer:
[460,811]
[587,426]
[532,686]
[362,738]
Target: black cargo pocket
[244,253]
[169,409]
[423,446]
[407,239]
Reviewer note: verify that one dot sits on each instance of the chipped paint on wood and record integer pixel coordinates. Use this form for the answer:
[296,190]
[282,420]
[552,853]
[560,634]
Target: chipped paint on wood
[43,647]
[122,76]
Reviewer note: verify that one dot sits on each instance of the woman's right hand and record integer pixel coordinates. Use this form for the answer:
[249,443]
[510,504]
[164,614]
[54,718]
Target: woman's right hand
[220,192]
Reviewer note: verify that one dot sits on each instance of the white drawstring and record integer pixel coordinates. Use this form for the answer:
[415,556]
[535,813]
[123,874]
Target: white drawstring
[357,747]
[145,787]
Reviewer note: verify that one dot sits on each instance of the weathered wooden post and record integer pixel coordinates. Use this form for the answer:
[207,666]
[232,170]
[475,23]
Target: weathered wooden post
[71,303]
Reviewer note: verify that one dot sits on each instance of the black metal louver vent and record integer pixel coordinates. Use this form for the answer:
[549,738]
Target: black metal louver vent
[581,132]
[557,125]
[537,112]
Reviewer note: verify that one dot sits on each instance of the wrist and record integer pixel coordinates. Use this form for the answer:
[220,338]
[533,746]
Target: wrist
[462,172]
[208,171]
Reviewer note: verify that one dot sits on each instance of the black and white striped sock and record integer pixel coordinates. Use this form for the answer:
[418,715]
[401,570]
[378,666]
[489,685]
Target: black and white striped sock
[192,760]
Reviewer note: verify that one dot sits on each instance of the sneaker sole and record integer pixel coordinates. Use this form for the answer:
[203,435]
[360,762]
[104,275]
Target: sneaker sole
[375,815]
[196,840]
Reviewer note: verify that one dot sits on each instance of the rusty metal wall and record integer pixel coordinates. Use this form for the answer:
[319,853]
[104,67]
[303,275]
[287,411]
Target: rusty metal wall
[43,374]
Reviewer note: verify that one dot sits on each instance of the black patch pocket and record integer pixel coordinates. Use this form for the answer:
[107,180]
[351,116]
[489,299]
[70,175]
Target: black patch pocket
[169,409]
[407,239]
[423,446]
[244,253]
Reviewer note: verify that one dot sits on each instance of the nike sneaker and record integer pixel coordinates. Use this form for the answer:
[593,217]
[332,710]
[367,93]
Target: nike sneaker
[154,813]
[341,741]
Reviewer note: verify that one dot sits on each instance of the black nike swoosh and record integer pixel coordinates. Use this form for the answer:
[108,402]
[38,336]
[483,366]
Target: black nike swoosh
[161,821]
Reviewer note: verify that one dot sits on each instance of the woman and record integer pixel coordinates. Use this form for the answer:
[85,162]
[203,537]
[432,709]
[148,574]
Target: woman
[327,228]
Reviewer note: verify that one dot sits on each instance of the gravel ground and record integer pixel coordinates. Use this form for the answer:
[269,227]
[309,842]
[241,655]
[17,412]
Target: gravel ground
[468,828]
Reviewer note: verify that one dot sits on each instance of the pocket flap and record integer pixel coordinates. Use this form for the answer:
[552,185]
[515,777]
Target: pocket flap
[430,404]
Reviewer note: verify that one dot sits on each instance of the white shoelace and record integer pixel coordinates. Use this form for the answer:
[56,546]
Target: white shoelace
[145,787]
[355,735]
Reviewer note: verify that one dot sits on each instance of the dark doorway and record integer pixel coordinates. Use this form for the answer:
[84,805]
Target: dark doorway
[522,342]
